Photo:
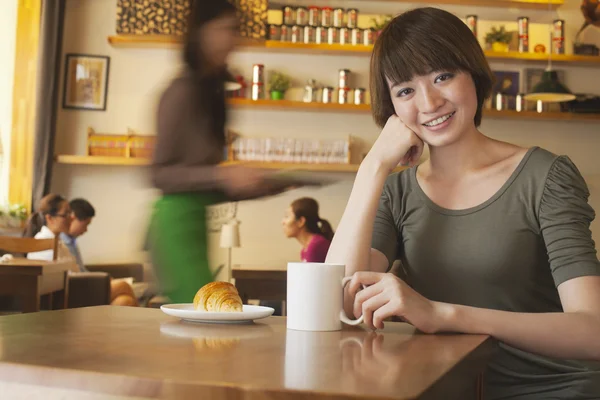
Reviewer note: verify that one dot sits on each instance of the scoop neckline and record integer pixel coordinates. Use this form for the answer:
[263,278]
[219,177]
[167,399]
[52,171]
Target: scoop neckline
[465,211]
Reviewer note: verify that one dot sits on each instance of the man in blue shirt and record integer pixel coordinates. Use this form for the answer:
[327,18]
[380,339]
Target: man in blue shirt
[83,213]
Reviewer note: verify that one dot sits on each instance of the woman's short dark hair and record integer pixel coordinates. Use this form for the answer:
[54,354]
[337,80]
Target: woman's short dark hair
[419,42]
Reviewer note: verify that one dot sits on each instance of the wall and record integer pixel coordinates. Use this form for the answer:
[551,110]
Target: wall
[8,33]
[122,195]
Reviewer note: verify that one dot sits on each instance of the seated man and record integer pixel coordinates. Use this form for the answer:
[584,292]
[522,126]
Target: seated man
[121,293]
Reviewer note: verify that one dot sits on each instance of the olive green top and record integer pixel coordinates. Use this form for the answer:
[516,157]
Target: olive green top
[509,253]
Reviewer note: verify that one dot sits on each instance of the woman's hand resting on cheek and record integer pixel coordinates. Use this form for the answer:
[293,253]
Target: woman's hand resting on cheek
[396,145]
[387,295]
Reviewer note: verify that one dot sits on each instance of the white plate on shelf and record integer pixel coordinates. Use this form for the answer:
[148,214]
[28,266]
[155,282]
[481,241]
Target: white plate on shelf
[186,312]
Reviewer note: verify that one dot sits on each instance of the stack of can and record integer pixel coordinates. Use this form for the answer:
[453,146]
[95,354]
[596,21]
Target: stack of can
[345,91]
[523,24]
[558,36]
[258,82]
[320,25]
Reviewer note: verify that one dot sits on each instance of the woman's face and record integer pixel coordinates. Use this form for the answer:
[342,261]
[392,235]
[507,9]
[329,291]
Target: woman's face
[61,221]
[291,225]
[439,107]
[218,38]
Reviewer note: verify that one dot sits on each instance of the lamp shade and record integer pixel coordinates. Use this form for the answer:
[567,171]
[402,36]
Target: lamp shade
[550,90]
[230,235]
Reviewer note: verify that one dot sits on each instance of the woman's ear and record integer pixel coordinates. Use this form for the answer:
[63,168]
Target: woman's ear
[301,222]
[47,218]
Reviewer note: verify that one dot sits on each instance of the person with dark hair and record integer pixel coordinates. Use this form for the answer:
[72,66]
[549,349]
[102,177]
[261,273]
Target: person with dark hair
[83,212]
[493,238]
[190,144]
[52,218]
[121,293]
[302,222]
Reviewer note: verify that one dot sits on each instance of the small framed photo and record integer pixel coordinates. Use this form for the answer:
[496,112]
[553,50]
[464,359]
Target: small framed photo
[86,82]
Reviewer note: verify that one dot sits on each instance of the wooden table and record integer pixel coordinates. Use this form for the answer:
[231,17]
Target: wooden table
[129,352]
[30,279]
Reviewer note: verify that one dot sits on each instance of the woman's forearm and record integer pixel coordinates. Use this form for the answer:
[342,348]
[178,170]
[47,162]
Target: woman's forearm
[351,244]
[566,335]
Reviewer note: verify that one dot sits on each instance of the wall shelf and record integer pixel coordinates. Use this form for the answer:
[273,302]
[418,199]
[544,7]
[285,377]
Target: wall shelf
[274,46]
[123,161]
[521,4]
[365,108]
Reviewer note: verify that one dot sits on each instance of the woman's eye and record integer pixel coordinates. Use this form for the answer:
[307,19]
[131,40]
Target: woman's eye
[404,92]
[444,77]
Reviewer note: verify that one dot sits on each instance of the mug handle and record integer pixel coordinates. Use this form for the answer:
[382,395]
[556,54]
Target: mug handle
[343,317]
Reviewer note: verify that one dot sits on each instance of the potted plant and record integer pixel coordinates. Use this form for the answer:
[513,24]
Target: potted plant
[379,23]
[279,83]
[17,214]
[498,39]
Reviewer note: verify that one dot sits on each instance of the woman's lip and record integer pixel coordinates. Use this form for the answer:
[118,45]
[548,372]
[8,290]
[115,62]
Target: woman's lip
[443,115]
[441,126]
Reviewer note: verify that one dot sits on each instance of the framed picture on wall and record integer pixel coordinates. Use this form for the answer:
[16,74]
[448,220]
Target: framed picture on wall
[86,82]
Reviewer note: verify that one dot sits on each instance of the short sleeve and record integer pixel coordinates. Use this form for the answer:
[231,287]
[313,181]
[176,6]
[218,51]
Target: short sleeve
[385,233]
[565,217]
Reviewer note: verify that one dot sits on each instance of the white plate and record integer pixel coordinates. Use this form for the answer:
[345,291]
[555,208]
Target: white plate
[186,312]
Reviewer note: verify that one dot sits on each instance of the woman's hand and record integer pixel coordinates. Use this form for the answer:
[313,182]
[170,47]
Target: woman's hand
[396,145]
[386,295]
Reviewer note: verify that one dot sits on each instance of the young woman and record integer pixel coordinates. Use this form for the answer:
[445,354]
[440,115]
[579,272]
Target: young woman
[190,144]
[493,238]
[303,223]
[52,218]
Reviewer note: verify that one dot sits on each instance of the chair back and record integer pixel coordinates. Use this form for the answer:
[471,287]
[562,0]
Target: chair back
[22,245]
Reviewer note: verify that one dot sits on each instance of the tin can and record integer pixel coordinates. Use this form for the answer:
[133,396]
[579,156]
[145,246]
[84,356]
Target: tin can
[368,36]
[309,34]
[344,95]
[301,16]
[327,95]
[558,36]
[472,23]
[359,96]
[274,32]
[344,36]
[286,33]
[296,35]
[520,102]
[523,24]
[338,17]
[327,16]
[356,36]
[333,35]
[344,78]
[320,34]
[258,91]
[314,16]
[352,18]
[258,73]
[289,15]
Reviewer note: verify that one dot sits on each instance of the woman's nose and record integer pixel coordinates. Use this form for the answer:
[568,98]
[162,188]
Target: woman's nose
[430,100]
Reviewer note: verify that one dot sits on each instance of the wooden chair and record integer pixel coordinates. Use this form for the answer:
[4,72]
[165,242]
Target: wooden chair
[18,245]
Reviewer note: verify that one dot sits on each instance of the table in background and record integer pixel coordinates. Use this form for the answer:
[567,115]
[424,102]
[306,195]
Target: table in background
[255,283]
[129,351]
[30,279]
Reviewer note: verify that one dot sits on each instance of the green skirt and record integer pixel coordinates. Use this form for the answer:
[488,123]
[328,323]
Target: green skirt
[179,243]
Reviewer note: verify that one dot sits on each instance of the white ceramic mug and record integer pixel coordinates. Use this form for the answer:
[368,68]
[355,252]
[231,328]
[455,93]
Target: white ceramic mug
[315,293]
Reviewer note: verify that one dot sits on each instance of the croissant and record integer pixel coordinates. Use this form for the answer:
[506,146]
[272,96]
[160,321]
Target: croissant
[218,297]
